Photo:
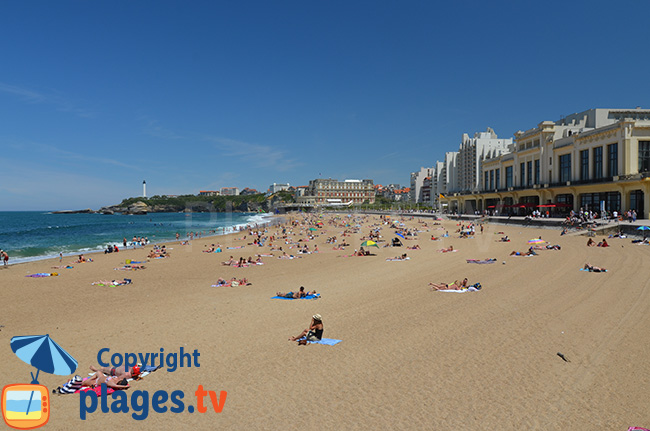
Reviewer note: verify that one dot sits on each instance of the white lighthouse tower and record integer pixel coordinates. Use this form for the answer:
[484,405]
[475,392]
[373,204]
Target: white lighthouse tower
[144,189]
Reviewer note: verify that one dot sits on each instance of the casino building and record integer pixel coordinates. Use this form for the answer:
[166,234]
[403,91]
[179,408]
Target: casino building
[580,161]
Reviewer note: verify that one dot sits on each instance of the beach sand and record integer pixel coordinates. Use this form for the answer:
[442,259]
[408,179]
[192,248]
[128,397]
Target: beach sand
[410,358]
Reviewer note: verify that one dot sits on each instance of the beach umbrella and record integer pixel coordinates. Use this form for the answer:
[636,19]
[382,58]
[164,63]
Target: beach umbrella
[536,241]
[400,235]
[369,244]
[643,228]
[312,228]
[42,352]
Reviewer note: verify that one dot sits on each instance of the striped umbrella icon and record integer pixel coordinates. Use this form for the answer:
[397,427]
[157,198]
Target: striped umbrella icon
[42,352]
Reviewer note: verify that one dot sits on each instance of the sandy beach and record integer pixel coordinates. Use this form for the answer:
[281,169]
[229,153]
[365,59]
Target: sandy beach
[411,358]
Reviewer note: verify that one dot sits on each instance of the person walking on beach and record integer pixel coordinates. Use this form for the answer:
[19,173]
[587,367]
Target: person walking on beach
[5,258]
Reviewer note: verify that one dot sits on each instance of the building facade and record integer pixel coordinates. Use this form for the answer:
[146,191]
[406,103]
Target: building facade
[417,181]
[589,160]
[278,187]
[229,191]
[327,191]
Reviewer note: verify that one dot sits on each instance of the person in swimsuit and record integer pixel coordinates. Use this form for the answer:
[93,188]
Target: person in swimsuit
[296,295]
[456,285]
[118,372]
[592,268]
[313,333]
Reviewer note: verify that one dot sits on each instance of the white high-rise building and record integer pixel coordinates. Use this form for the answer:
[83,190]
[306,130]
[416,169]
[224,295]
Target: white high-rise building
[472,152]
[417,181]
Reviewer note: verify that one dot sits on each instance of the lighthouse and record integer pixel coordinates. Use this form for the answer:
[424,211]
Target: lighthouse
[144,189]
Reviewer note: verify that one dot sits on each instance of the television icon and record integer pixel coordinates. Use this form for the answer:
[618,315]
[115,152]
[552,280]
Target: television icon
[25,406]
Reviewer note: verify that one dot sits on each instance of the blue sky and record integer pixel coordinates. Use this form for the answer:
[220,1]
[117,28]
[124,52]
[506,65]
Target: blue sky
[96,96]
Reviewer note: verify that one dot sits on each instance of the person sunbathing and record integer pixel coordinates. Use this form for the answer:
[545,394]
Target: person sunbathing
[313,333]
[592,268]
[113,382]
[415,247]
[456,285]
[114,282]
[296,295]
[447,250]
[591,243]
[603,243]
[118,372]
[229,262]
[505,239]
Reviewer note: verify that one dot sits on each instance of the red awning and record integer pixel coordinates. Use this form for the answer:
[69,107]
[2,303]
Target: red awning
[547,206]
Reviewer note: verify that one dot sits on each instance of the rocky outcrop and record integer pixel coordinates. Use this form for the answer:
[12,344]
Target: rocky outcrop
[138,208]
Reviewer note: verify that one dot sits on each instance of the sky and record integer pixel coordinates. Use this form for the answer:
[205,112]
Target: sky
[97,96]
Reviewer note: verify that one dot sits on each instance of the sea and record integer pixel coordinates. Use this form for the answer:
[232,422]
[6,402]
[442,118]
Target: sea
[36,235]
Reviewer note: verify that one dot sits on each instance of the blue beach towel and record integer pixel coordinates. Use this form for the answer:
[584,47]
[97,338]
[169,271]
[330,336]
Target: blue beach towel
[582,269]
[316,296]
[326,342]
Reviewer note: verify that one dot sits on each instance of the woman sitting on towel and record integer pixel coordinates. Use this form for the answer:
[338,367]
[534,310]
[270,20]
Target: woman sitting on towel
[456,285]
[313,333]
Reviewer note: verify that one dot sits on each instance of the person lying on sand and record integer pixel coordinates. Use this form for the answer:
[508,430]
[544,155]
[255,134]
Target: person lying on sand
[113,382]
[113,282]
[296,295]
[592,268]
[118,372]
[313,333]
[229,262]
[447,250]
[456,285]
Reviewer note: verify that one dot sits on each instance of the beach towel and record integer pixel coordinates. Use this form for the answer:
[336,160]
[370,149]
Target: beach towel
[583,269]
[235,248]
[397,260]
[43,274]
[469,289]
[316,296]
[637,429]
[324,341]
[481,261]
[70,387]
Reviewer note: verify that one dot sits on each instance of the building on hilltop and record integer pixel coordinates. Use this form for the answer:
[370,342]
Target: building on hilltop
[278,187]
[248,191]
[587,160]
[209,193]
[229,191]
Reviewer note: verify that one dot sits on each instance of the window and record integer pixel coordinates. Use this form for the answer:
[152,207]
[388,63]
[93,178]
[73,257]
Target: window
[492,180]
[584,165]
[598,163]
[529,173]
[508,176]
[485,183]
[522,174]
[537,171]
[612,160]
[644,156]
[497,179]
[565,168]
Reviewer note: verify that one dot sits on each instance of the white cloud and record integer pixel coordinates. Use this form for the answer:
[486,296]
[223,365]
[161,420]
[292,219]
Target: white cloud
[257,155]
[55,98]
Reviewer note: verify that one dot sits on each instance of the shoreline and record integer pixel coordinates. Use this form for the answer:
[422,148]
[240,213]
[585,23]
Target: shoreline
[22,260]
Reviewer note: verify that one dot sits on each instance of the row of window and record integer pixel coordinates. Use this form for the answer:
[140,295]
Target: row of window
[602,166]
